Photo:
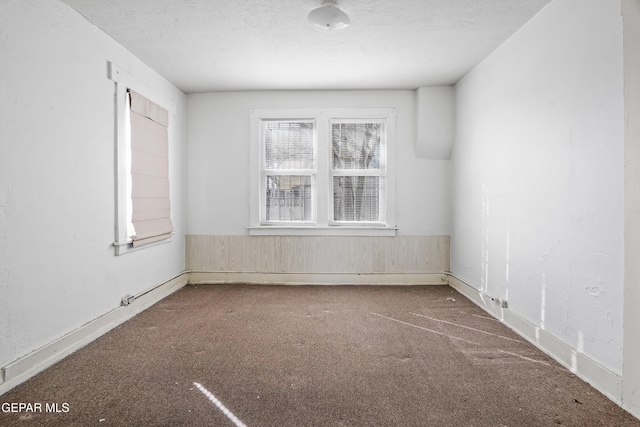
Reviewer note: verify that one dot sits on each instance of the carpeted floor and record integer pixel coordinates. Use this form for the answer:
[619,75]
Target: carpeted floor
[312,356]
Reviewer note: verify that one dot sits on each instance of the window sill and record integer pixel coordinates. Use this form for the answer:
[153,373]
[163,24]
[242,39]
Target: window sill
[127,246]
[277,230]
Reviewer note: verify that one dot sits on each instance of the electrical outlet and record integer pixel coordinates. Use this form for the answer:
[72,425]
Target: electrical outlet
[500,302]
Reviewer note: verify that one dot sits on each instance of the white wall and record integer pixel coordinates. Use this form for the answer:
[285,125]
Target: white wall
[436,112]
[538,176]
[218,129]
[57,266]
[631,367]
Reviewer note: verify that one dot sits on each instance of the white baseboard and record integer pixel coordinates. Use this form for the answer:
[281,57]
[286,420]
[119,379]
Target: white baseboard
[582,366]
[26,367]
[212,277]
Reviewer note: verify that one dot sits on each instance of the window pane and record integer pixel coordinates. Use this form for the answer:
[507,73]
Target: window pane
[357,198]
[288,198]
[356,145]
[289,145]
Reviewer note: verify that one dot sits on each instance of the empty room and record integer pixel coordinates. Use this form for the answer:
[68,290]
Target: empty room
[308,213]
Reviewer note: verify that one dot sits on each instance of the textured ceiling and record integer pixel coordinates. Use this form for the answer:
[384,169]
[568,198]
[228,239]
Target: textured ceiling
[221,45]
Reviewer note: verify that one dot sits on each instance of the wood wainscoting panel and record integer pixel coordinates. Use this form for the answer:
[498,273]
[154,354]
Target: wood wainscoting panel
[318,254]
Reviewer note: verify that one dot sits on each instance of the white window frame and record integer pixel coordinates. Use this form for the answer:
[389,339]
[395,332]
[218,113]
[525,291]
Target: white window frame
[123,242]
[323,200]
[380,173]
[313,173]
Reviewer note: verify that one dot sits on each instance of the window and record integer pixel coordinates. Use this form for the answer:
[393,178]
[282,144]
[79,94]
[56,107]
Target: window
[143,208]
[148,201]
[288,171]
[322,171]
[358,171]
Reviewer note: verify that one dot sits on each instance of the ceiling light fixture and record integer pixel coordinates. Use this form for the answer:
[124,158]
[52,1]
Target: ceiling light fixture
[328,17]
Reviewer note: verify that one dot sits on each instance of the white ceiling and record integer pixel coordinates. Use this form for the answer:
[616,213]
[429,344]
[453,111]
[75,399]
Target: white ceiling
[222,45]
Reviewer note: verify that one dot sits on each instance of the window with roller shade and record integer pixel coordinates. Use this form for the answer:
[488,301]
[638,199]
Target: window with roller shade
[142,202]
[322,170]
[150,203]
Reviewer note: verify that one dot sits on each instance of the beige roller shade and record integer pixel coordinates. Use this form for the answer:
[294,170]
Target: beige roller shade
[149,171]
